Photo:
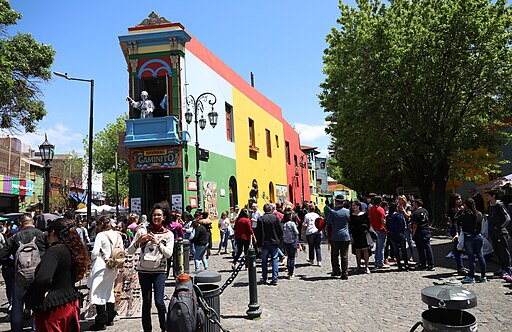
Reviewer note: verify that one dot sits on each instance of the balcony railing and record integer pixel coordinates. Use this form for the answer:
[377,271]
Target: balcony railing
[152,132]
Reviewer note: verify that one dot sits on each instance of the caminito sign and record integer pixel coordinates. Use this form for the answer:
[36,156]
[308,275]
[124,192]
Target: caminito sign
[155,158]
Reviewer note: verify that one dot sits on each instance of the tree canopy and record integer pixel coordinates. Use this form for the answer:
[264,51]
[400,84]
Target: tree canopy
[412,84]
[24,64]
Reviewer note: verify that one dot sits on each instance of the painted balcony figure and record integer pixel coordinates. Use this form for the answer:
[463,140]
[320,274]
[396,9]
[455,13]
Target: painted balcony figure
[145,106]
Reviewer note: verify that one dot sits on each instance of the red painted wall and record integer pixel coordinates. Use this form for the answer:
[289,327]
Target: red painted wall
[291,136]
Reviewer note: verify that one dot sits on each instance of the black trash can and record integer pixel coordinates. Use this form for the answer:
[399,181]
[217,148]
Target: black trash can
[211,293]
[445,313]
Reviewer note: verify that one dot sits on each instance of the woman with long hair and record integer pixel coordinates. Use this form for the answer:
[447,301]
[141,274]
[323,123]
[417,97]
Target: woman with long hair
[52,295]
[156,243]
[101,279]
[455,208]
[359,226]
[471,224]
[244,233]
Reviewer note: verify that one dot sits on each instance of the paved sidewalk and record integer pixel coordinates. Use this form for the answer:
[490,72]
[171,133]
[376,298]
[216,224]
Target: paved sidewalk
[385,300]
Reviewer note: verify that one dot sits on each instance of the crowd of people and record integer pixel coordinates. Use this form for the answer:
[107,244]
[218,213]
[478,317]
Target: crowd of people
[41,266]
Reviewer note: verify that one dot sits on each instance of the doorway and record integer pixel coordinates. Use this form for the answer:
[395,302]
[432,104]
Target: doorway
[157,188]
[233,192]
[271,192]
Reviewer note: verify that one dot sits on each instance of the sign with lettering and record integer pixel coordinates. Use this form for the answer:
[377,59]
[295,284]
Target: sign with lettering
[155,158]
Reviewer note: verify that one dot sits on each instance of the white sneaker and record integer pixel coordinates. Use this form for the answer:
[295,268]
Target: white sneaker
[319,264]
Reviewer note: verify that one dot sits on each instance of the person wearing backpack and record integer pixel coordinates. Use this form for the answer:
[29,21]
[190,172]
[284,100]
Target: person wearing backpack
[156,244]
[102,277]
[53,295]
[27,247]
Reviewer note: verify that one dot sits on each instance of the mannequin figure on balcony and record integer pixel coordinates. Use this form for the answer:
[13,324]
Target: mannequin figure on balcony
[145,106]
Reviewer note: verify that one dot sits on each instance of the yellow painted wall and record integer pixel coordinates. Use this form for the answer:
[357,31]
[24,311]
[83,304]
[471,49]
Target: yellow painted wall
[264,169]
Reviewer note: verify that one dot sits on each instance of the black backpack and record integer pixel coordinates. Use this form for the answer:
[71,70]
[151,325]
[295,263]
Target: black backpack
[184,313]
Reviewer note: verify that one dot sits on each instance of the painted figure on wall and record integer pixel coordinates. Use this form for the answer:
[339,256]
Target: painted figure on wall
[145,106]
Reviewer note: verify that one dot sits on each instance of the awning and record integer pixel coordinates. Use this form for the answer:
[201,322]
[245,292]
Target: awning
[78,197]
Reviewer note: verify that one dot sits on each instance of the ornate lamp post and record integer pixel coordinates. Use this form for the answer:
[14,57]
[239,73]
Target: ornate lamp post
[198,105]
[302,166]
[91,112]
[47,150]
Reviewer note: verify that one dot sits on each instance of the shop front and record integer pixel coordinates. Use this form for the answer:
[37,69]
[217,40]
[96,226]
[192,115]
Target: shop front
[156,175]
[13,191]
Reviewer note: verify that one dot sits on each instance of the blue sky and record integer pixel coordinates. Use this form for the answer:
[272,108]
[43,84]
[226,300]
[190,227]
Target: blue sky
[280,41]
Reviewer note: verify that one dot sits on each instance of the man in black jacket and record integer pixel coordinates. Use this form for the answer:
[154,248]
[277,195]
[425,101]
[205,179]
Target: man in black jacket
[27,233]
[269,235]
[498,222]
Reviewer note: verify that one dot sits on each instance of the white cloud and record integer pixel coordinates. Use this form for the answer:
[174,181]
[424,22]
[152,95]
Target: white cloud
[59,135]
[310,133]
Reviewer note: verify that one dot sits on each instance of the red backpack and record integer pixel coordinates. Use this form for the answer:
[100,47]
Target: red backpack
[320,224]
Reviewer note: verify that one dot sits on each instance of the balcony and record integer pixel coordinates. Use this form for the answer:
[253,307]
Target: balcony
[152,132]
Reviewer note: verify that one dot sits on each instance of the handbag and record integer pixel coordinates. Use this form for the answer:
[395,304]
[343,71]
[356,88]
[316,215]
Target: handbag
[460,243]
[369,240]
[151,257]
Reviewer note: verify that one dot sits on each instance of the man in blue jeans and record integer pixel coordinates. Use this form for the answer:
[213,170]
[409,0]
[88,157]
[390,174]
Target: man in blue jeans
[377,217]
[25,235]
[269,235]
[421,235]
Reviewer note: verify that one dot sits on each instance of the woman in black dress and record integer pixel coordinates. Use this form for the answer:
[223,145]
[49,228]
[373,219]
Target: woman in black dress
[358,228]
[53,295]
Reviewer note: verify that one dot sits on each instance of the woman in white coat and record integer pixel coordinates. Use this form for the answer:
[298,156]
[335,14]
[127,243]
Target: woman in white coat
[101,279]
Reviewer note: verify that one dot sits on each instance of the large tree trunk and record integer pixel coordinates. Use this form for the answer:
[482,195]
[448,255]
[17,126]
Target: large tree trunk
[440,179]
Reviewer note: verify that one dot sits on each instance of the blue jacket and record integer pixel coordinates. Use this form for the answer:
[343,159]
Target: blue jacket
[339,218]
[396,223]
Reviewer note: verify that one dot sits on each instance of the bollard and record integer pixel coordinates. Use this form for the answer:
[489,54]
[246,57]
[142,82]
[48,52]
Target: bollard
[181,268]
[254,308]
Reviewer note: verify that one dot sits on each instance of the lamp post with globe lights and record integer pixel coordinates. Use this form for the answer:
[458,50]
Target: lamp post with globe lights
[198,104]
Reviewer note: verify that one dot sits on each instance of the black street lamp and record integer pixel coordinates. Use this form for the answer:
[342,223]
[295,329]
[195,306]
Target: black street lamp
[199,104]
[116,170]
[302,166]
[47,150]
[91,112]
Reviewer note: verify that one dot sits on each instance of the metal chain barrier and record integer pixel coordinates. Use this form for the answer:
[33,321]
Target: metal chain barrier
[233,275]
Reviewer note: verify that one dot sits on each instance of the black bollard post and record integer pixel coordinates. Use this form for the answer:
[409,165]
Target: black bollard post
[181,267]
[254,308]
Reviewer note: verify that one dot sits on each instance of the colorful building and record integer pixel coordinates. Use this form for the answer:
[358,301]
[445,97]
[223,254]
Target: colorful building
[249,153]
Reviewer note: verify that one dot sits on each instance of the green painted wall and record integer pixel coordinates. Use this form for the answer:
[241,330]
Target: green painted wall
[217,169]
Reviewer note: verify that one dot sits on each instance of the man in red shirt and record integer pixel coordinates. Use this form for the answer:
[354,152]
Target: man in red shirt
[378,222]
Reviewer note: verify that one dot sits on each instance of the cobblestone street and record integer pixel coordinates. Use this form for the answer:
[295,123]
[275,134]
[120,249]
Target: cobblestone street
[385,300]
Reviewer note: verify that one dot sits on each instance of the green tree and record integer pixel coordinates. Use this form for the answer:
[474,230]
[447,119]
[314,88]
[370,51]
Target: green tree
[412,84]
[24,63]
[105,145]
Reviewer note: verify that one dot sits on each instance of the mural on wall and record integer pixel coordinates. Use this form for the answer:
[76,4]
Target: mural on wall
[281,193]
[210,198]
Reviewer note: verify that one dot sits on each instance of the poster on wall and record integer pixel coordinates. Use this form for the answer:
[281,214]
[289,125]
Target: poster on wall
[192,202]
[281,193]
[135,205]
[210,198]
[177,202]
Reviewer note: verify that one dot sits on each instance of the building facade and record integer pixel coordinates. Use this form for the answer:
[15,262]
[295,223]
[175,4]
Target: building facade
[246,151]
